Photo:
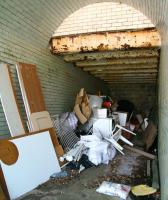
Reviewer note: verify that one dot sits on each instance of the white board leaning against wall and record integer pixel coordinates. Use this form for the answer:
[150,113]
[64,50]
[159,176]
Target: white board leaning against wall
[37,161]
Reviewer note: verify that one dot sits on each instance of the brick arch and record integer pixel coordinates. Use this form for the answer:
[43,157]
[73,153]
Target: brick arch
[104,16]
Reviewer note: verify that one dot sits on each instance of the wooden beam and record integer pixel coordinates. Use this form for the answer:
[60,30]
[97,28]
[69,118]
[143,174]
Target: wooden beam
[128,80]
[137,53]
[118,67]
[132,82]
[117,62]
[143,153]
[125,71]
[105,41]
[140,76]
[128,77]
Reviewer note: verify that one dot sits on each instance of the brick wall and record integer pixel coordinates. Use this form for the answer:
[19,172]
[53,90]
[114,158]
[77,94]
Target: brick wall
[103,17]
[25,29]
[144,96]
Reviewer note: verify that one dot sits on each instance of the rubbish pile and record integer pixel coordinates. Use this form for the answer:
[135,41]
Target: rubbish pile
[102,130]
[91,134]
[99,127]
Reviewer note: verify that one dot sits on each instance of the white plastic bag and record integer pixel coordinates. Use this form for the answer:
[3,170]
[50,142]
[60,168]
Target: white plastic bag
[114,189]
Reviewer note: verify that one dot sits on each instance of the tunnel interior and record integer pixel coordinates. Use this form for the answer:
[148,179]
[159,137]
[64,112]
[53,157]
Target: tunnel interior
[26,33]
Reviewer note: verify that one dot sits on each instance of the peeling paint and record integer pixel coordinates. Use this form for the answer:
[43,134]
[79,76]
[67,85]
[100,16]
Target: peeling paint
[95,42]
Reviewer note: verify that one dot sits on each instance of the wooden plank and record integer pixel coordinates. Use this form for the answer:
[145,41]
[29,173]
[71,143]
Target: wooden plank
[132,82]
[33,97]
[144,71]
[9,102]
[31,88]
[143,153]
[2,195]
[137,53]
[120,67]
[133,76]
[3,186]
[117,62]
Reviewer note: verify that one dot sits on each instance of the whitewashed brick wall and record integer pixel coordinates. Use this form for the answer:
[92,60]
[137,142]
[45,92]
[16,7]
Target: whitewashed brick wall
[144,96]
[107,16]
[25,30]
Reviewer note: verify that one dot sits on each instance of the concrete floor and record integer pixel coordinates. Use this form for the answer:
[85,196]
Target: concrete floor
[129,169]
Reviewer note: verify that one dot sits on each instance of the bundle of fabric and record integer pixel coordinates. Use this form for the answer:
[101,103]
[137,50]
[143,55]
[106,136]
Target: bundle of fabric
[98,151]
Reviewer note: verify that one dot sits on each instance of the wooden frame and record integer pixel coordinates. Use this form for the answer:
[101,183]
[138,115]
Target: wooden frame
[9,102]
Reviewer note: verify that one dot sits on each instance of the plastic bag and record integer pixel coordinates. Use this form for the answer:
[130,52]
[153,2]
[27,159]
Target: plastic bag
[114,189]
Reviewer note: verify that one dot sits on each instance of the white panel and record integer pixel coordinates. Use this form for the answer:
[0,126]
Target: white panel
[9,103]
[122,118]
[40,121]
[37,161]
[103,128]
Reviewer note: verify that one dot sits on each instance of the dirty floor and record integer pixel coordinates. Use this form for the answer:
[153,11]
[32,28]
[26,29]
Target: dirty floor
[129,169]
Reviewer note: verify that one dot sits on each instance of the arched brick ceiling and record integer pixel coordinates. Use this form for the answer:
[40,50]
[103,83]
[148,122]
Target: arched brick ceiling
[49,15]
[155,10]
[104,16]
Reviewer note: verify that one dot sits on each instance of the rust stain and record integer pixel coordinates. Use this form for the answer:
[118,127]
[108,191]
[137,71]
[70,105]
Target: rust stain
[118,38]
[125,46]
[107,41]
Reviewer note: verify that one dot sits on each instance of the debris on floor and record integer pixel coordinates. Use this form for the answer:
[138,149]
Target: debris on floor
[114,189]
[97,139]
[142,190]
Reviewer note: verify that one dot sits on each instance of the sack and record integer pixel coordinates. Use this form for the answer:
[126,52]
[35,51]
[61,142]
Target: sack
[114,189]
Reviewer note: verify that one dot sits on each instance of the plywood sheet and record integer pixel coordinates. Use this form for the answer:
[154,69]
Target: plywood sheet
[9,103]
[37,161]
[2,196]
[31,88]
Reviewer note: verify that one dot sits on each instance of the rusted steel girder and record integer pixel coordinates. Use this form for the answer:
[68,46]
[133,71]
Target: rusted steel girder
[105,41]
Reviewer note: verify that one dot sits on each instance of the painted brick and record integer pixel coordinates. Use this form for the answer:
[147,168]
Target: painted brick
[24,38]
[142,95]
[100,15]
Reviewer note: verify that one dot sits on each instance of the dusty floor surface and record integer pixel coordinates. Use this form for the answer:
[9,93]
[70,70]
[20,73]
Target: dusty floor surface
[129,169]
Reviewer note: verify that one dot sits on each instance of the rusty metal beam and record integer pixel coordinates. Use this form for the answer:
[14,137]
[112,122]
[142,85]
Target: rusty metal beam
[117,62]
[137,53]
[118,67]
[105,41]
